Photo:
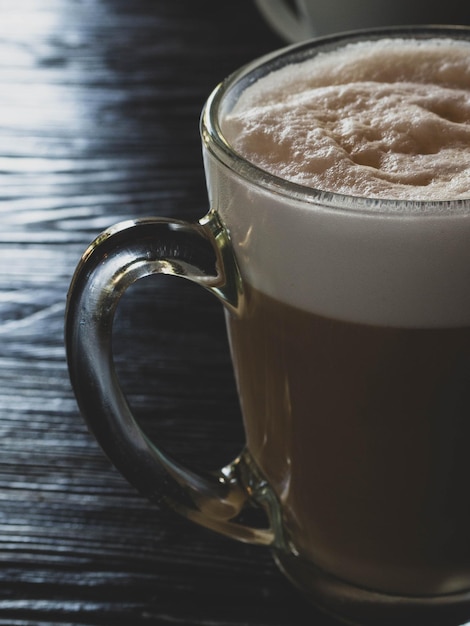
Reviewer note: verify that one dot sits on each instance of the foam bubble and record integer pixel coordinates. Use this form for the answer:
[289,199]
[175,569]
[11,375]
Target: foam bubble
[380,117]
[386,119]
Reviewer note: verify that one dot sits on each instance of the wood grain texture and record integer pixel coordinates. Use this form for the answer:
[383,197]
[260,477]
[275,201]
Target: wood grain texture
[99,112]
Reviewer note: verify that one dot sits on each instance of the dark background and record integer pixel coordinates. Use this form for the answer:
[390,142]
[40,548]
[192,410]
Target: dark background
[99,112]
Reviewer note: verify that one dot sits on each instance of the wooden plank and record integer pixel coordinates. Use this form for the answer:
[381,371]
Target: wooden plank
[99,122]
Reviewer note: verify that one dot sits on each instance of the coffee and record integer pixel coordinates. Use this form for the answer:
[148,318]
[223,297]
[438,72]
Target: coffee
[363,433]
[352,355]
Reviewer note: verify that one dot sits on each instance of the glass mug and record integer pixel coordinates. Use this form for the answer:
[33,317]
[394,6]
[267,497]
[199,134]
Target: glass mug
[357,424]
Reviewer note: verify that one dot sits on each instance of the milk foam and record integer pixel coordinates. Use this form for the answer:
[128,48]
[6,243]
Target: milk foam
[384,119]
[377,266]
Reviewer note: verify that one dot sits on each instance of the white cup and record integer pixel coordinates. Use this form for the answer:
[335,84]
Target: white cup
[296,20]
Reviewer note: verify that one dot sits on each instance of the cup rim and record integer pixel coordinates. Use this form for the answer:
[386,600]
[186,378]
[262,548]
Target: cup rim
[218,145]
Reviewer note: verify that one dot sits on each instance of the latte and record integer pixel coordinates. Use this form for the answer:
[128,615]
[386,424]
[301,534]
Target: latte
[352,355]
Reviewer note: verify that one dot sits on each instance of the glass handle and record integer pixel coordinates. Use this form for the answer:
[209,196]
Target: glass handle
[114,261]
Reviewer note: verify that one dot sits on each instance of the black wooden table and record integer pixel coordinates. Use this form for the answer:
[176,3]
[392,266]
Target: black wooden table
[99,112]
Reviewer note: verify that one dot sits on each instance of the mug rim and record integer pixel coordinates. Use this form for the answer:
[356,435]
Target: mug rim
[218,145]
